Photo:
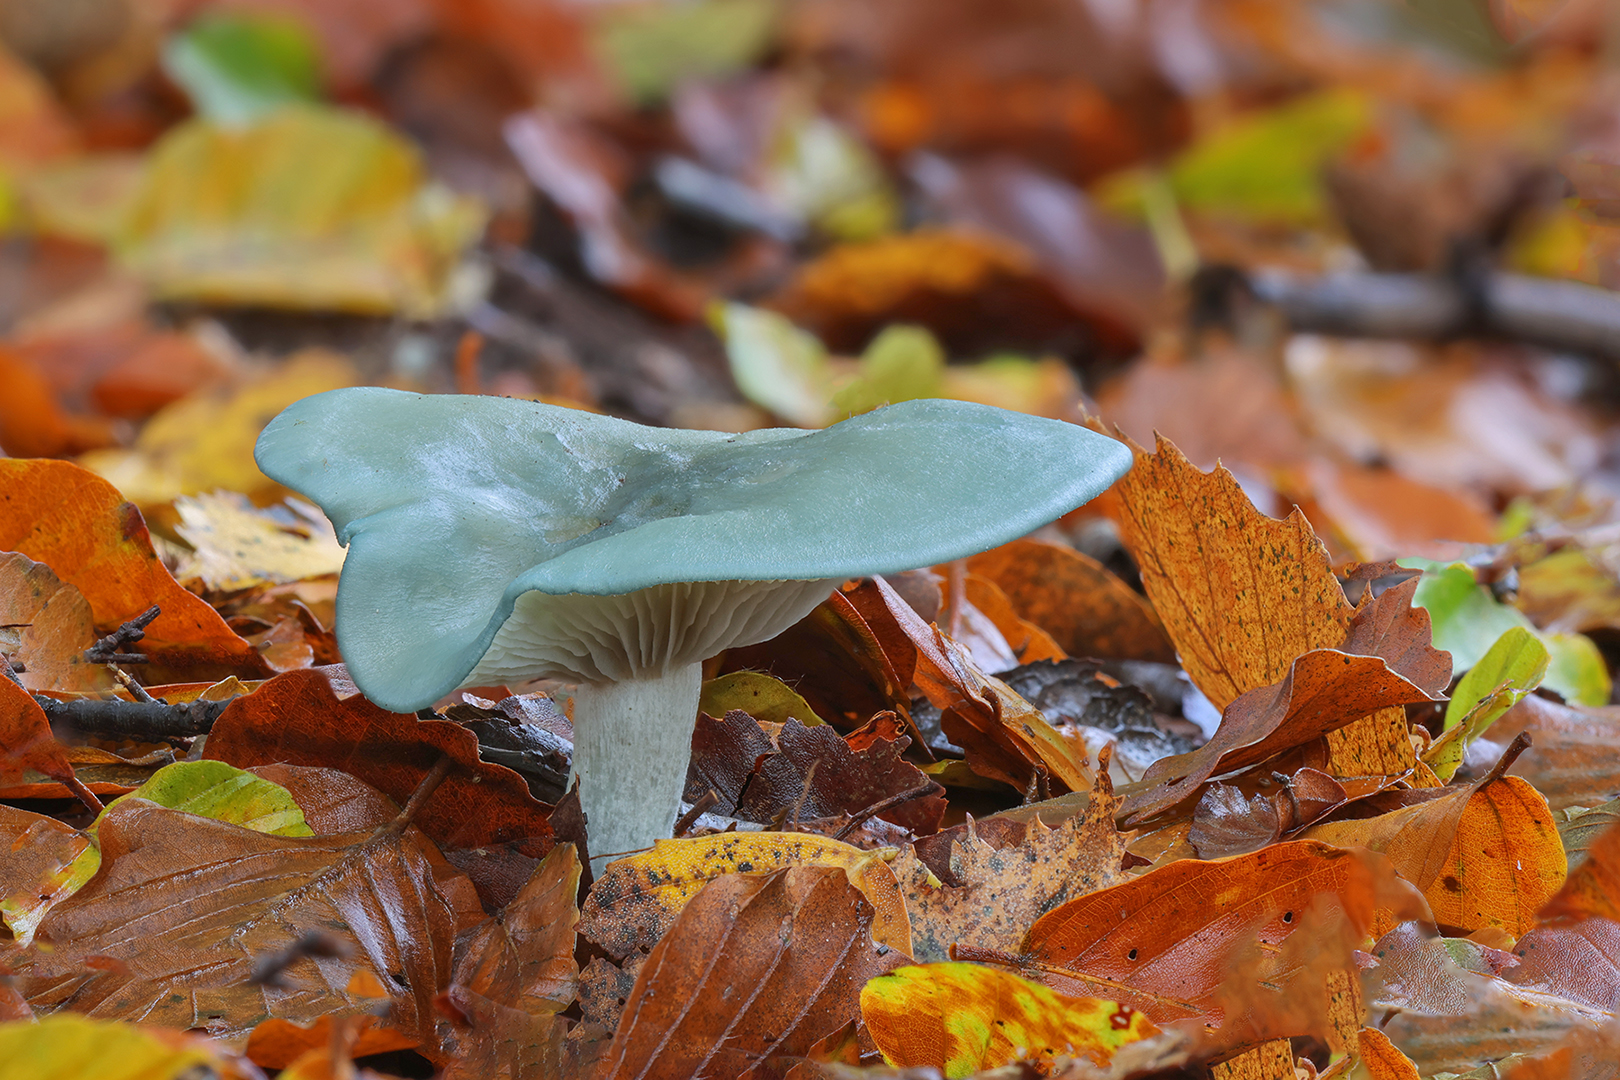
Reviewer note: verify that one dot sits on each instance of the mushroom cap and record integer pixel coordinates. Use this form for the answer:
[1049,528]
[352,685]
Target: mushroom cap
[454,507]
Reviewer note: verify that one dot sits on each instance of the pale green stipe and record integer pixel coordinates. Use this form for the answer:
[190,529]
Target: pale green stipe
[452,507]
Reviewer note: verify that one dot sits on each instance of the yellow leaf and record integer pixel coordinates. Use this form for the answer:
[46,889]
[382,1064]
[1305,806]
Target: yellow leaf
[236,545]
[964,1018]
[205,442]
[637,898]
[311,208]
[67,1046]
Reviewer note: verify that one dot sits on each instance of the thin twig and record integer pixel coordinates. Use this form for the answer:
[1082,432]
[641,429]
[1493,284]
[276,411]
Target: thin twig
[710,799]
[424,791]
[921,791]
[83,794]
[105,651]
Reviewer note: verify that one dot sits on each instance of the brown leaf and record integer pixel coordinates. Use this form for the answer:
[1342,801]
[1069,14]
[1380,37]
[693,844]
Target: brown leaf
[637,899]
[1163,942]
[184,957]
[1003,736]
[1324,690]
[298,718]
[724,753]
[755,966]
[1087,610]
[1574,754]
[526,959]
[81,527]
[1381,1059]
[1005,890]
[518,1045]
[846,780]
[1487,854]
[1241,595]
[26,741]
[38,867]
[53,627]
[1272,1060]
[1592,889]
[1579,962]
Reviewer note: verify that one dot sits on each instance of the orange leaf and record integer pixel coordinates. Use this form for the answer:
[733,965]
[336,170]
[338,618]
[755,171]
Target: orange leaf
[81,527]
[26,741]
[1164,942]
[1241,594]
[1073,597]
[1483,855]
[1382,1060]
[1592,890]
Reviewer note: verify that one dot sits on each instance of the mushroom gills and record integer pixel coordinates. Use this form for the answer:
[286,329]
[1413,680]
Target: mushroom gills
[638,659]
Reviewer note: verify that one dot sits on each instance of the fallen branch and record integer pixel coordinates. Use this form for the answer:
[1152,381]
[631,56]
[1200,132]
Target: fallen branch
[1561,316]
[105,651]
[154,721]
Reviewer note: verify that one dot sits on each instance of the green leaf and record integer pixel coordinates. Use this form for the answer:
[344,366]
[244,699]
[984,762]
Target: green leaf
[1267,166]
[238,67]
[776,365]
[759,695]
[651,48]
[1510,669]
[213,789]
[1468,621]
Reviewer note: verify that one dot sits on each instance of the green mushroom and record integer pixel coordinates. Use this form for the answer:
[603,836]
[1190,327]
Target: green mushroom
[495,540]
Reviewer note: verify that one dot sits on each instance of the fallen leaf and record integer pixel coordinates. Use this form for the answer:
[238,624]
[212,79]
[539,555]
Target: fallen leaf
[26,740]
[1004,737]
[1509,670]
[1381,1059]
[1163,943]
[724,753]
[525,959]
[1004,891]
[513,1043]
[67,1047]
[1325,690]
[1581,828]
[1578,961]
[850,774]
[1574,753]
[1087,610]
[247,893]
[637,899]
[961,1018]
[1487,854]
[792,947]
[236,545]
[205,441]
[42,867]
[1272,1060]
[759,695]
[33,424]
[307,208]
[80,526]
[1592,889]
[45,626]
[1241,595]
[298,718]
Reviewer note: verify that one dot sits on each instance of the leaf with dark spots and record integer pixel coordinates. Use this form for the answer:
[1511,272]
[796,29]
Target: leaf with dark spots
[299,718]
[755,967]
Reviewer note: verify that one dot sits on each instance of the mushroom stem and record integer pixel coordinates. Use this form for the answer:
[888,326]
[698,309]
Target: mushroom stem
[632,743]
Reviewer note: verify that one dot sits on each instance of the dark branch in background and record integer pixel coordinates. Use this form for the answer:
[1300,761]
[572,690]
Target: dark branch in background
[1561,316]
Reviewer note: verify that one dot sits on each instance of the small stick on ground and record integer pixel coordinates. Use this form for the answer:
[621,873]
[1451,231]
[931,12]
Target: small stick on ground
[424,791]
[105,651]
[702,806]
[83,794]
[919,792]
[155,721]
